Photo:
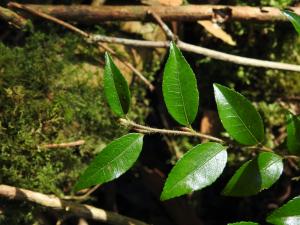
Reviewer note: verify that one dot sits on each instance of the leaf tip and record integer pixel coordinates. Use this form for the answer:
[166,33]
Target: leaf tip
[106,56]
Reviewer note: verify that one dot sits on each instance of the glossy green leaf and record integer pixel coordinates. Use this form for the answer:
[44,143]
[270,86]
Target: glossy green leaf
[115,88]
[114,160]
[255,175]
[198,168]
[294,18]
[288,214]
[244,223]
[238,116]
[180,88]
[293,134]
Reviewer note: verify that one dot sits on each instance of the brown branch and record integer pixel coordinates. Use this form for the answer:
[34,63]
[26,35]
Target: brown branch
[79,210]
[201,51]
[64,145]
[94,15]
[83,34]
[163,26]
[13,18]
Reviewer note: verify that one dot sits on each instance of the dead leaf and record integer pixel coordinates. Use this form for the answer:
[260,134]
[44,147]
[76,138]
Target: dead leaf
[217,31]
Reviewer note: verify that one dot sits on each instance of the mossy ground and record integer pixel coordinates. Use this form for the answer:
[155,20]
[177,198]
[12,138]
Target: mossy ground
[51,92]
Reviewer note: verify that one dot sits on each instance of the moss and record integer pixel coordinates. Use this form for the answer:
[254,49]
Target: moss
[51,92]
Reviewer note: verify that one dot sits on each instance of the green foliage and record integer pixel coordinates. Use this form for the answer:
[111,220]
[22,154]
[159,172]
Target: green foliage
[294,18]
[293,134]
[198,168]
[114,160]
[255,175]
[288,214]
[180,88]
[48,97]
[238,116]
[115,88]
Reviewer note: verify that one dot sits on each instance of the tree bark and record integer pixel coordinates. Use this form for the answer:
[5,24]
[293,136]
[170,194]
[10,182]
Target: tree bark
[91,15]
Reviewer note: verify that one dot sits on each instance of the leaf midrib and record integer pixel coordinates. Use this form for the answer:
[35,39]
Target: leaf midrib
[118,156]
[114,83]
[179,83]
[238,116]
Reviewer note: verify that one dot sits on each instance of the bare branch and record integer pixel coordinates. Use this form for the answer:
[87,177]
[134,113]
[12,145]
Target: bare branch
[64,145]
[79,210]
[94,15]
[163,26]
[201,51]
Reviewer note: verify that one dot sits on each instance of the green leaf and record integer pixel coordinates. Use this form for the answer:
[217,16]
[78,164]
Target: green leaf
[198,168]
[255,175]
[293,134]
[115,88]
[293,18]
[244,223]
[288,214]
[180,88]
[114,160]
[238,116]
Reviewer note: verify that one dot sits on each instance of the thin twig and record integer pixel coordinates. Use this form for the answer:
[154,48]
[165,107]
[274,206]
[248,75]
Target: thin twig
[86,36]
[201,51]
[64,145]
[163,26]
[292,157]
[78,210]
[151,130]
[84,196]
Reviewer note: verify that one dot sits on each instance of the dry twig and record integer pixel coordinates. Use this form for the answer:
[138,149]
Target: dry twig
[65,145]
[78,210]
[201,51]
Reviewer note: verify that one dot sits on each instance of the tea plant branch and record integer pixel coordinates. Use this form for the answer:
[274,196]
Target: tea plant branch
[151,130]
[78,210]
[94,15]
[13,18]
[64,145]
[201,51]
[185,131]
[84,35]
